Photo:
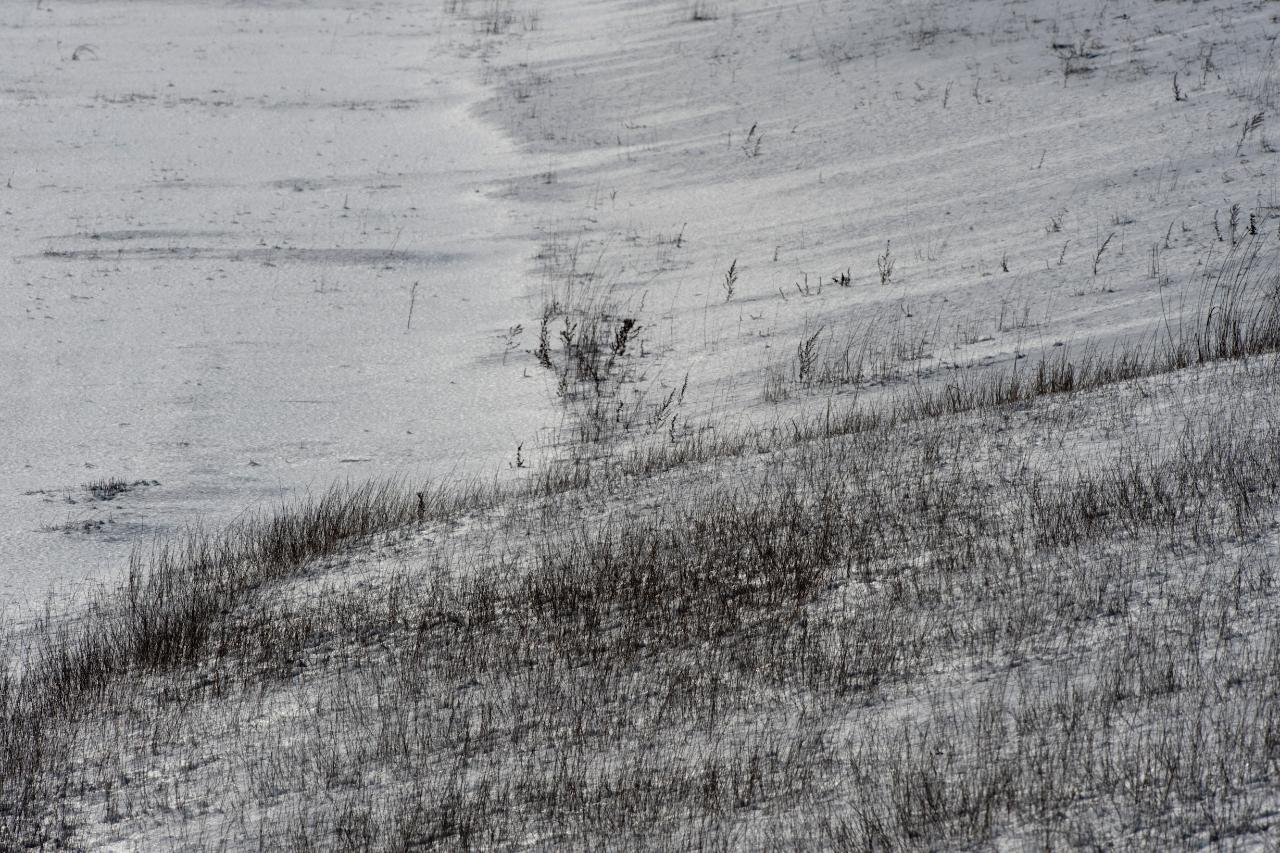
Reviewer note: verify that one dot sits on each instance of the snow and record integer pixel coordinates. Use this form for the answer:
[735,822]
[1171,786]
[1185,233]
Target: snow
[218,213]
[800,139]
[216,220]
[218,216]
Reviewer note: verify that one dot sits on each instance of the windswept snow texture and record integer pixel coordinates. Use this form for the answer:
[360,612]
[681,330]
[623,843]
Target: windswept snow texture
[213,217]
[1035,172]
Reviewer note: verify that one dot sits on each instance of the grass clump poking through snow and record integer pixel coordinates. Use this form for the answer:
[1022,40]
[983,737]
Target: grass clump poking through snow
[592,340]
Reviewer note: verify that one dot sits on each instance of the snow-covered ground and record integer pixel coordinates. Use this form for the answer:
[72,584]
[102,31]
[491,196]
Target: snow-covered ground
[218,216]
[215,219]
[1049,624]
[1028,171]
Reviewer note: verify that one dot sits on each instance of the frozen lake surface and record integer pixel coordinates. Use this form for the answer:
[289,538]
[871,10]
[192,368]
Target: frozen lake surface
[213,218]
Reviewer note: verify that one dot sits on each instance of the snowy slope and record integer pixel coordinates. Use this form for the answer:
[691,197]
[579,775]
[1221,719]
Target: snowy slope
[1048,624]
[1029,167]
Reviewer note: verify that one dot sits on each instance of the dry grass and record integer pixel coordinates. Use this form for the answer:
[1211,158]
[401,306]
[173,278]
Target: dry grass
[901,639]
[963,616]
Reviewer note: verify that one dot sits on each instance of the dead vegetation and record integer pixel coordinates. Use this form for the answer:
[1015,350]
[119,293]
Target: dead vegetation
[1029,607]
[900,630]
